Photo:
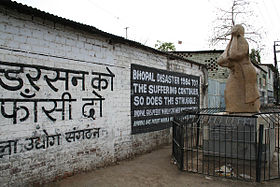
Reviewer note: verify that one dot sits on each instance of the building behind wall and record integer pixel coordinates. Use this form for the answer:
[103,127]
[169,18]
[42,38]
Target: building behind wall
[218,76]
[208,58]
[271,70]
[74,98]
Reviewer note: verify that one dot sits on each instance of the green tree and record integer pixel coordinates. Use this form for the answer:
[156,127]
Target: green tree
[165,46]
[255,56]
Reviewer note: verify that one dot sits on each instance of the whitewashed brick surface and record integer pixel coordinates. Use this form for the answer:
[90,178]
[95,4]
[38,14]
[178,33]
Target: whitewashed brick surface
[42,43]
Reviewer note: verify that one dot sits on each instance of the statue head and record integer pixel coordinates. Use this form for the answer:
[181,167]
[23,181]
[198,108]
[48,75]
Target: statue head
[237,30]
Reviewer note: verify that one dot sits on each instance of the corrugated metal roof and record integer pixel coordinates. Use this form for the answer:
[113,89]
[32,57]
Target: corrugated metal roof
[113,38]
[202,51]
[210,51]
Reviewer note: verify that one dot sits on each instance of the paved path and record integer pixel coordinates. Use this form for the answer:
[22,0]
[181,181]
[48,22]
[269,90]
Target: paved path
[152,169]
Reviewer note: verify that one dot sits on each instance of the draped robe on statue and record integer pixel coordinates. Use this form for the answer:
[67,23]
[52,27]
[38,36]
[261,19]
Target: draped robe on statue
[241,93]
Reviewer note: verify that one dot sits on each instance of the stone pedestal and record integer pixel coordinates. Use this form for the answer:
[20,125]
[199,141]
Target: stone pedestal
[237,136]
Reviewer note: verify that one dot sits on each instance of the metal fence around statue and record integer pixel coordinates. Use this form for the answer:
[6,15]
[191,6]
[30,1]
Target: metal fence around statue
[244,146]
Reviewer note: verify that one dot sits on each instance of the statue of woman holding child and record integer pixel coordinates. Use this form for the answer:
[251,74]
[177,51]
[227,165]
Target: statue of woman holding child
[241,93]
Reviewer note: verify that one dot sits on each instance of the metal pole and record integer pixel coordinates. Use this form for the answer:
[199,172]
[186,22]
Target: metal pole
[276,75]
[277,72]
[259,156]
[126,32]
[182,145]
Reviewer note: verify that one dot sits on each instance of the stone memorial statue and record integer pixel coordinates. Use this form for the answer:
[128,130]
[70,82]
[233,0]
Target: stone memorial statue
[241,93]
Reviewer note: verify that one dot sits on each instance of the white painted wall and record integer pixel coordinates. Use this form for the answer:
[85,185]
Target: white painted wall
[32,48]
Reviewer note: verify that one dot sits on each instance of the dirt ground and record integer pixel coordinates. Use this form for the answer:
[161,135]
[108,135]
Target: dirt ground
[152,169]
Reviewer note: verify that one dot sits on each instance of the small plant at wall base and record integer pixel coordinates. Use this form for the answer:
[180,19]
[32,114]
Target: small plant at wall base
[165,46]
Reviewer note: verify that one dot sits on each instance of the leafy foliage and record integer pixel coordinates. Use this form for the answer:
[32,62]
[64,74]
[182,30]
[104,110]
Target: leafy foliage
[165,46]
[255,56]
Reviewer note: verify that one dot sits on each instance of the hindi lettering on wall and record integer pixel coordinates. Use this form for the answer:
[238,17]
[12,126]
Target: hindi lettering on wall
[157,95]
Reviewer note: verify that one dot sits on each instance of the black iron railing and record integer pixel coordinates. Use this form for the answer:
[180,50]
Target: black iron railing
[237,146]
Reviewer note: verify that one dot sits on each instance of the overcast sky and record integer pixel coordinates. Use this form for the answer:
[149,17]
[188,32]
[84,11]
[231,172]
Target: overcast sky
[165,20]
